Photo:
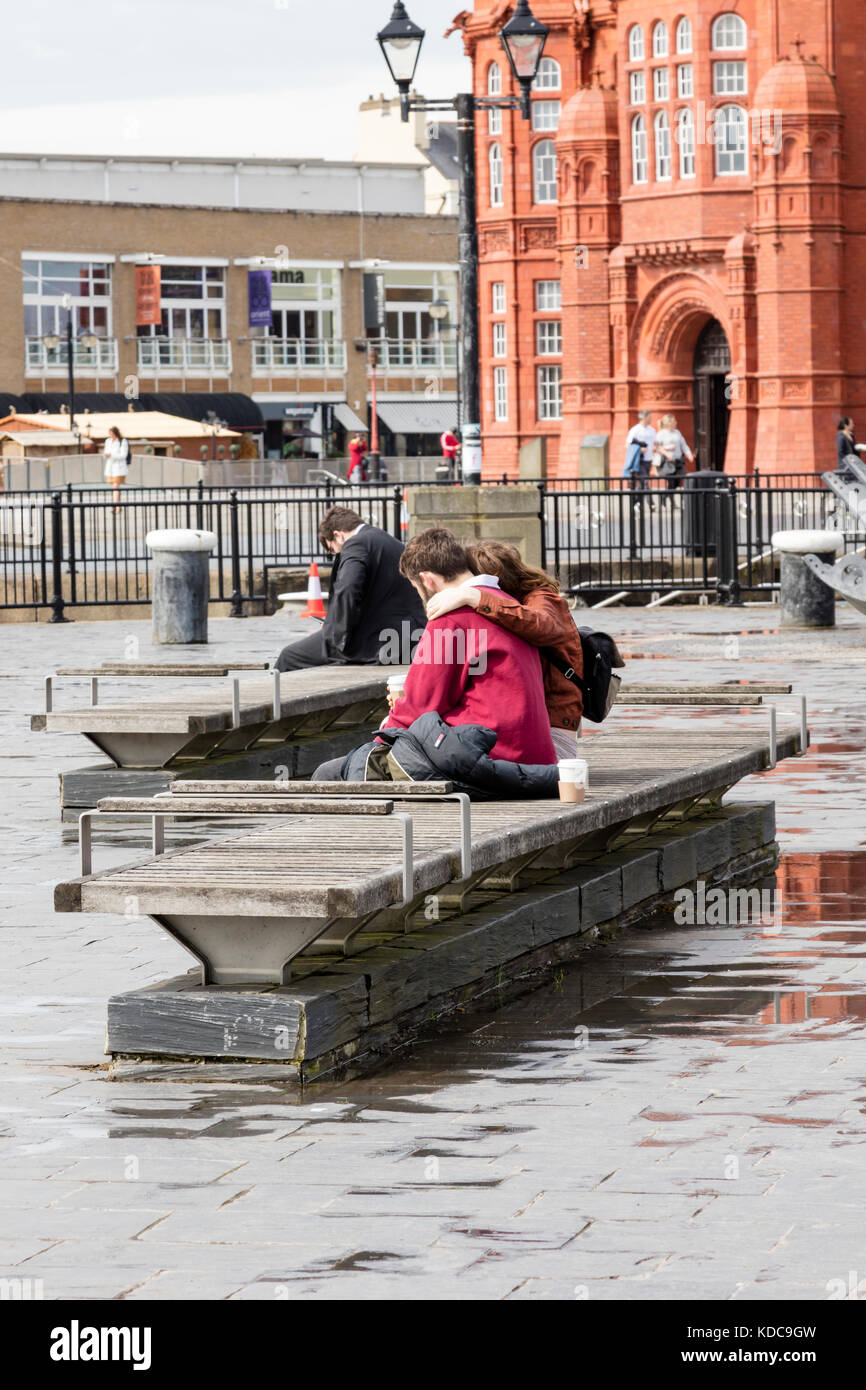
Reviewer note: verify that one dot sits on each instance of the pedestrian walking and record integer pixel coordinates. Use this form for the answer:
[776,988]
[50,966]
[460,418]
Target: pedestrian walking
[670,452]
[358,458]
[639,444]
[845,445]
[117,460]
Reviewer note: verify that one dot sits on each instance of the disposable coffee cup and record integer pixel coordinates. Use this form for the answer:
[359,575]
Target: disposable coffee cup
[573,779]
[396,688]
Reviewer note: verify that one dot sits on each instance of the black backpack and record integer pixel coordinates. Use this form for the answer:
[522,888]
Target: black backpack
[599,686]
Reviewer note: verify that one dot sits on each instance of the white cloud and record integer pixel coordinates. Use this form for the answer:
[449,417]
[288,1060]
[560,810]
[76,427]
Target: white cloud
[187,74]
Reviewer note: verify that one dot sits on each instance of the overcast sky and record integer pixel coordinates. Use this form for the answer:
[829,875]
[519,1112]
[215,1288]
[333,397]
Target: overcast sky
[234,77]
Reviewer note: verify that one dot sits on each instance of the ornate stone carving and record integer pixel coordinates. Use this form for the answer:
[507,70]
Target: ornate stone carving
[492,239]
[535,236]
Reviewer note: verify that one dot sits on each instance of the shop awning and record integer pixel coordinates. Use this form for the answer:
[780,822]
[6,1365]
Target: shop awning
[419,417]
[238,411]
[347,417]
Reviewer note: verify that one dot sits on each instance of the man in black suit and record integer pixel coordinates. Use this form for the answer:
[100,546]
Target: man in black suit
[375,616]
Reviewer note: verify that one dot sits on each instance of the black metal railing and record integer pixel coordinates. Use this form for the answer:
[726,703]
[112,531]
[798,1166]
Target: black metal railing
[714,539]
[78,548]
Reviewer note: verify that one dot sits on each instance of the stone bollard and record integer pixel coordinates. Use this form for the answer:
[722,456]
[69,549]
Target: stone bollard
[181,585]
[806,601]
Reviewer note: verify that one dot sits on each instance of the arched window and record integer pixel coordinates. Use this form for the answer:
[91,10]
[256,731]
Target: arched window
[662,133]
[686,142]
[544,172]
[729,136]
[684,36]
[549,76]
[729,31]
[660,40]
[496,192]
[638,150]
[494,89]
[635,44]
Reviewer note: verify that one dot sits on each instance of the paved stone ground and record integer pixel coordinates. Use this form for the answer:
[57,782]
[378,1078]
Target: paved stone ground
[680,1116]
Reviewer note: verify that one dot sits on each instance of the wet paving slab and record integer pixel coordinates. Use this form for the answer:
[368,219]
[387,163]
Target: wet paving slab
[681,1114]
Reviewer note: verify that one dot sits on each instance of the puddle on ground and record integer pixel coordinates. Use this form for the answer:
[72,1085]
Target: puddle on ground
[684,990]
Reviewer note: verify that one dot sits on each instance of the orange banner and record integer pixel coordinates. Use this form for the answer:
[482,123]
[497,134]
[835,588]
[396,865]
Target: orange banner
[148,293]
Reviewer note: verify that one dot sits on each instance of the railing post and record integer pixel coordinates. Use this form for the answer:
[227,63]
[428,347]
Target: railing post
[727,553]
[397,496]
[237,610]
[57,603]
[73,576]
[199,510]
[543,525]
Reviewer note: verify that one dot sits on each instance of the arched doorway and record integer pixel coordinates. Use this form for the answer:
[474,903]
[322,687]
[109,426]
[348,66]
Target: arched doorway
[711,368]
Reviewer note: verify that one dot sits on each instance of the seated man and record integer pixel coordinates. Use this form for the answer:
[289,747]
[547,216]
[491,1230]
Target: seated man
[373,611]
[468,669]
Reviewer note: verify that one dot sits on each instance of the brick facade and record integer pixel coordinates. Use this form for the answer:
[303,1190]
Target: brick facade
[43,227]
[768,243]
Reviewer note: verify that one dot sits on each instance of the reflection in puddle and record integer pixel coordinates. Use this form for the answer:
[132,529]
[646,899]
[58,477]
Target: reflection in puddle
[676,994]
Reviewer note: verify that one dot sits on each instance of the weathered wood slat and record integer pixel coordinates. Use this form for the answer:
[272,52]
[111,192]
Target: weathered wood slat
[243,805]
[629,696]
[260,788]
[722,687]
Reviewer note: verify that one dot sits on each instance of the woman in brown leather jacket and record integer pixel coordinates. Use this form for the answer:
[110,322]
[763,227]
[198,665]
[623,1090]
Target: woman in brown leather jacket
[531,606]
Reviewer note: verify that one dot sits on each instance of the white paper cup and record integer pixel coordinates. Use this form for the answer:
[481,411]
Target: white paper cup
[573,779]
[396,689]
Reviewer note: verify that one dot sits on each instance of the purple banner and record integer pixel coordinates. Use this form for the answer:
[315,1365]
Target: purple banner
[259,295]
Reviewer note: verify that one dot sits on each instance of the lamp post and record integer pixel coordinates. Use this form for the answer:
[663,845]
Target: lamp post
[52,342]
[440,312]
[523,39]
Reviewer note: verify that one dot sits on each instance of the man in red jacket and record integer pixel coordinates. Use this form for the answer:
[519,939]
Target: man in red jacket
[467,668]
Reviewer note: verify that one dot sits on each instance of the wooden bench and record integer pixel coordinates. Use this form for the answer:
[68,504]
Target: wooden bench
[194,725]
[246,906]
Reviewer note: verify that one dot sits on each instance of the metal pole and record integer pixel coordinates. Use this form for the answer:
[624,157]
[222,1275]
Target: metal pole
[71,370]
[57,603]
[237,610]
[373,452]
[468,257]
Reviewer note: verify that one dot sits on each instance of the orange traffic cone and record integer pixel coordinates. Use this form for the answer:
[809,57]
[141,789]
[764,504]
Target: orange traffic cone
[315,607]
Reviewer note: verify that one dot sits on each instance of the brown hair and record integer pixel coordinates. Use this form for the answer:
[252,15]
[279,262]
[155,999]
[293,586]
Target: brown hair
[436,550]
[517,578]
[337,519]
[116,432]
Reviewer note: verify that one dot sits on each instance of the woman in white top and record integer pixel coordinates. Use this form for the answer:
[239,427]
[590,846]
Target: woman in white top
[116,454]
[642,436]
[670,452]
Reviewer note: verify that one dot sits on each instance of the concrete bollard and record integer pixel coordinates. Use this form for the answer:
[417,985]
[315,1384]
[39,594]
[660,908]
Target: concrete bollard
[806,601]
[180,586]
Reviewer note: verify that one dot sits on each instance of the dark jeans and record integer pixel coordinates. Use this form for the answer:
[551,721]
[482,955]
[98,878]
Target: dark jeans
[297,656]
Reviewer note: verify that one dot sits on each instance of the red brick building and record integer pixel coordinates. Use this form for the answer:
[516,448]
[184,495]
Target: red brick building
[681,226]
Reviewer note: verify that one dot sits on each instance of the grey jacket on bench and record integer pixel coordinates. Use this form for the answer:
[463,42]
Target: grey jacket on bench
[431,750]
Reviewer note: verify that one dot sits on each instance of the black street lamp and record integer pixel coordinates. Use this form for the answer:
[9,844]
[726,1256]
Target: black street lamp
[52,343]
[523,39]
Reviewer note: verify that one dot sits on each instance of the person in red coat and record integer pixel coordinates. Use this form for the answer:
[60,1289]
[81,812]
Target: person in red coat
[529,604]
[450,444]
[468,668]
[357,458]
